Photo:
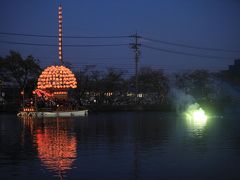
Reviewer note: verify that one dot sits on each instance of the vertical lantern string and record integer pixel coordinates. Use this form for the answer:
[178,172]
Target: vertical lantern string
[60,55]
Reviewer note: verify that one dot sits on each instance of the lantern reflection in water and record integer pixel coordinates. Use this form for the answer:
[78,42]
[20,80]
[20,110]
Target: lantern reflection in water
[57,149]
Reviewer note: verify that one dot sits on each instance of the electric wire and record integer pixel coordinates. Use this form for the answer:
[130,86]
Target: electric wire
[124,36]
[123,44]
[53,36]
[66,45]
[185,53]
[190,46]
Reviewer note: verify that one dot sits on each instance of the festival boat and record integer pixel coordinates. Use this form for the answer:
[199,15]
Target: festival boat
[51,97]
[29,112]
[46,104]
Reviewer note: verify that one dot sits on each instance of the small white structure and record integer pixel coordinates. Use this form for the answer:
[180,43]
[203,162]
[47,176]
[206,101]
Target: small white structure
[53,114]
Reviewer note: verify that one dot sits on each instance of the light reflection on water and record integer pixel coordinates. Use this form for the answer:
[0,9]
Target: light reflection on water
[56,147]
[196,127]
[129,145]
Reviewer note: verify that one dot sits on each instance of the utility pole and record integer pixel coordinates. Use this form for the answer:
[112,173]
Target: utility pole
[136,47]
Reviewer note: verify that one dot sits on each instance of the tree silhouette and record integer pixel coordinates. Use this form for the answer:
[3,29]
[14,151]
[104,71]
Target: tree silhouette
[23,73]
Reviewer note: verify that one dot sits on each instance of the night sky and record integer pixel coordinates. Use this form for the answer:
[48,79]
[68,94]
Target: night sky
[204,23]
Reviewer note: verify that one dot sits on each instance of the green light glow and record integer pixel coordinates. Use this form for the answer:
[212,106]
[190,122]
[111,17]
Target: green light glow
[196,115]
[199,115]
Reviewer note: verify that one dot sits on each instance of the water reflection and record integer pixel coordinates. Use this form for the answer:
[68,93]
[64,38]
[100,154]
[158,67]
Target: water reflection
[129,145]
[196,127]
[57,149]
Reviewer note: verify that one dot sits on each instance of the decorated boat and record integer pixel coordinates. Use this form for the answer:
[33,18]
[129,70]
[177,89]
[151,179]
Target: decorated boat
[30,112]
[51,97]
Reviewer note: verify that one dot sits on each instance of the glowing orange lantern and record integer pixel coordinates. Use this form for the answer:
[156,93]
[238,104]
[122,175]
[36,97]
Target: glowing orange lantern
[56,77]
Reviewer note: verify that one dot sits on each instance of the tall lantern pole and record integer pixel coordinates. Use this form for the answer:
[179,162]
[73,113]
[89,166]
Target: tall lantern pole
[60,55]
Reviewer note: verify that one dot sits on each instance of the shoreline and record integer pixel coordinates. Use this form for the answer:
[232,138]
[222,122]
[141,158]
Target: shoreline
[14,109]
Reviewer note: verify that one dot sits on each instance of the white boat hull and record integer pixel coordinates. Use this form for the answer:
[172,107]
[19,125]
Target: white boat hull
[55,114]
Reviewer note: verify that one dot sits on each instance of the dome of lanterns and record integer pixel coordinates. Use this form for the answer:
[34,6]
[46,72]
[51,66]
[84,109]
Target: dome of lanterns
[56,77]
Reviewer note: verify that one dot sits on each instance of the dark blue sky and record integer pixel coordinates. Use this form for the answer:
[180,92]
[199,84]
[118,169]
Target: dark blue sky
[207,23]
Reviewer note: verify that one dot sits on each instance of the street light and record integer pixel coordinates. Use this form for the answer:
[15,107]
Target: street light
[22,93]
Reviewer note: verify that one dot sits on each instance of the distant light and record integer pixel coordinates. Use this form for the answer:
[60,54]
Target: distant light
[196,116]
[199,116]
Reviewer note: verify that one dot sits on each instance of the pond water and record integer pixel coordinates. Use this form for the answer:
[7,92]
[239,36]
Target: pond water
[121,145]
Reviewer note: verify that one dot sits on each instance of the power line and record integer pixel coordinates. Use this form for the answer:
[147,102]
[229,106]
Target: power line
[52,36]
[125,65]
[124,36]
[190,46]
[130,71]
[117,45]
[105,59]
[185,53]
[66,45]
[154,68]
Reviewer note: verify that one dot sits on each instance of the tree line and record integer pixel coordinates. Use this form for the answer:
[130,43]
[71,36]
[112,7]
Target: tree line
[112,85]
